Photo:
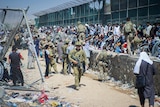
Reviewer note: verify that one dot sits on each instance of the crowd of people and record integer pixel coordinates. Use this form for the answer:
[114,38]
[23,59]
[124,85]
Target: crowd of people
[71,46]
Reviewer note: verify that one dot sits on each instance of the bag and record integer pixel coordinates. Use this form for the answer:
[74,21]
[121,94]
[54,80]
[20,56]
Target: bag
[128,28]
[137,39]
[140,81]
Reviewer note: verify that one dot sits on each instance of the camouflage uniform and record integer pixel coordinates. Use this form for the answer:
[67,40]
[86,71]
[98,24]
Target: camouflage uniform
[77,56]
[65,57]
[42,43]
[81,29]
[102,65]
[52,58]
[56,53]
[129,36]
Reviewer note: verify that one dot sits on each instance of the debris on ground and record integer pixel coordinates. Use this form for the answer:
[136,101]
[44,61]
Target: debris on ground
[31,99]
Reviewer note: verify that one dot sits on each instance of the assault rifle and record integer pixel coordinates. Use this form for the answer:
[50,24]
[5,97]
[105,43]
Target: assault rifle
[79,64]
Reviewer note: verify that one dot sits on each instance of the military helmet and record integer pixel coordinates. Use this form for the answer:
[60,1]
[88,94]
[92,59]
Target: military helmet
[66,41]
[78,43]
[79,22]
[50,44]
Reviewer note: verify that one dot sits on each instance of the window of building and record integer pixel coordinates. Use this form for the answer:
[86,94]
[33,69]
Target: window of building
[142,20]
[82,20]
[114,21]
[115,15]
[82,9]
[132,13]
[78,11]
[143,11]
[107,18]
[123,4]
[143,2]
[96,20]
[60,15]
[86,19]
[87,9]
[114,5]
[132,3]
[122,20]
[66,15]
[154,1]
[91,19]
[152,10]
[123,14]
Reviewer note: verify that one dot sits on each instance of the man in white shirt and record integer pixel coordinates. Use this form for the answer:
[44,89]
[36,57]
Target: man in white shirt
[148,29]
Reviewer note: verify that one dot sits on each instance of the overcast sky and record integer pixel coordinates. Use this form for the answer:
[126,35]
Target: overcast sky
[34,5]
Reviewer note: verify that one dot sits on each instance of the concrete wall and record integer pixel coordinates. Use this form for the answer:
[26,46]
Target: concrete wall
[121,68]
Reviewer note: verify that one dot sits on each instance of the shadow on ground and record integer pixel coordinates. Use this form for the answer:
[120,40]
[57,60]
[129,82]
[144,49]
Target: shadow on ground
[133,106]
[73,86]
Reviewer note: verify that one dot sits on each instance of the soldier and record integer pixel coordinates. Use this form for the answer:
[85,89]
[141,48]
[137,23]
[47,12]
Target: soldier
[129,31]
[56,53]
[59,50]
[81,29]
[65,57]
[77,56]
[52,58]
[69,49]
[43,42]
[103,64]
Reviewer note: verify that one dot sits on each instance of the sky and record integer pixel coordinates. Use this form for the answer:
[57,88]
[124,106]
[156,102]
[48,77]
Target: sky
[34,5]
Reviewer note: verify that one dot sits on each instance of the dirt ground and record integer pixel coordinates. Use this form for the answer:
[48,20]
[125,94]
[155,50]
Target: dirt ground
[92,93]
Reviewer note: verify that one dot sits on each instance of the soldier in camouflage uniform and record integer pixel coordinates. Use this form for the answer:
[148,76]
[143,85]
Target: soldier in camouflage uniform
[52,58]
[103,64]
[77,56]
[42,43]
[65,57]
[81,29]
[56,53]
[129,31]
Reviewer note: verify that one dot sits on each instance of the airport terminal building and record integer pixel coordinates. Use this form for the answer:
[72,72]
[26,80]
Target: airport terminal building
[100,11]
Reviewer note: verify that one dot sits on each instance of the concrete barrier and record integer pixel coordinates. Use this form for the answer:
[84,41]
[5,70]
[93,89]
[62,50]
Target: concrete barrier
[121,68]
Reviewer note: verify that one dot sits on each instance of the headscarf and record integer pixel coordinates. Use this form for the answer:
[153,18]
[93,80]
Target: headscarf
[144,57]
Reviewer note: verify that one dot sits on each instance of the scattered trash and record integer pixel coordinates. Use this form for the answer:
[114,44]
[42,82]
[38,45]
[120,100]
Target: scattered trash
[14,95]
[33,99]
[43,97]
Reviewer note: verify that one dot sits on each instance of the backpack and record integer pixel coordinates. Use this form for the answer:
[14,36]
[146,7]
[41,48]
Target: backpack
[128,27]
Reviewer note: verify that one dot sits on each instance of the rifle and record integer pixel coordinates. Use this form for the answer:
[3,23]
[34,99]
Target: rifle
[79,64]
